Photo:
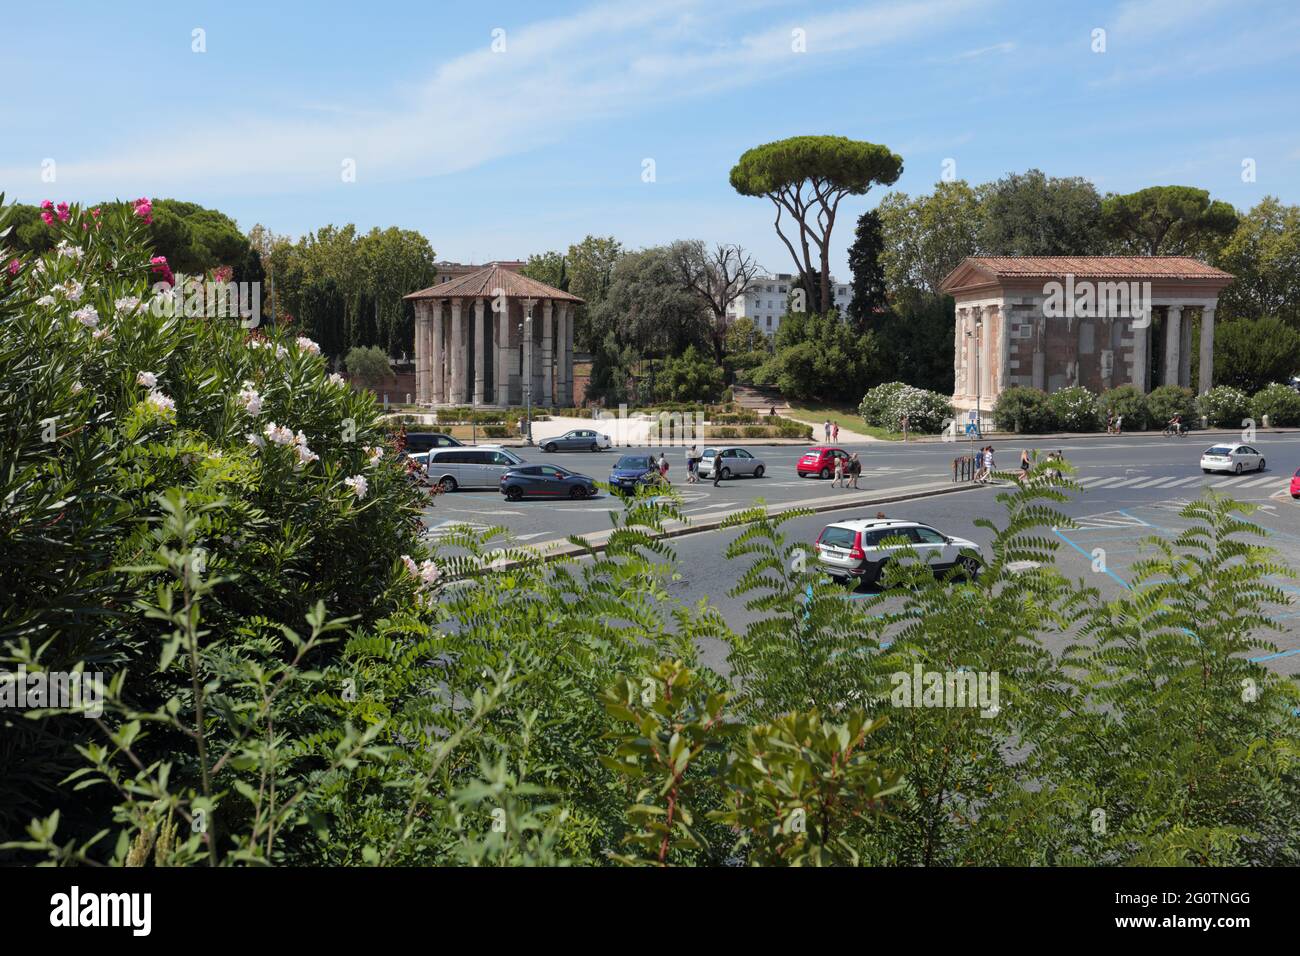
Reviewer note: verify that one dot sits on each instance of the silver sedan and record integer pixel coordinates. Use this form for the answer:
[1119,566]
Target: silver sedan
[731,463]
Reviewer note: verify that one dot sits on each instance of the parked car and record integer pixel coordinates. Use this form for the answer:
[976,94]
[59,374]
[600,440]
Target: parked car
[1295,484]
[425,441]
[858,549]
[819,460]
[632,470]
[577,439]
[731,463]
[464,467]
[545,481]
[1235,458]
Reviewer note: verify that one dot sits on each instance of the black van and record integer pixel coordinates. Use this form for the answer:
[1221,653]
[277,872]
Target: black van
[426,441]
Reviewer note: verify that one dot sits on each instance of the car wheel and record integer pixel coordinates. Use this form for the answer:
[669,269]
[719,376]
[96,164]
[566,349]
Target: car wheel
[513,493]
[758,472]
[1261,465]
[1206,470]
[725,474]
[447,484]
[825,473]
[969,567]
[577,492]
[1237,470]
[595,447]
[550,448]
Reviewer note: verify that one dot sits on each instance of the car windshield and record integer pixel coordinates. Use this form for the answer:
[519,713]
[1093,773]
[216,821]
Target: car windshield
[634,461]
[1219,450]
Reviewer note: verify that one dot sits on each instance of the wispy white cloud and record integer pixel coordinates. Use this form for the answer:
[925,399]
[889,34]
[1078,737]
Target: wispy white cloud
[1006,46]
[553,77]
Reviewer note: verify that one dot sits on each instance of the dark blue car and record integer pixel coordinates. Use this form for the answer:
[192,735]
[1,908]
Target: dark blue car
[545,481]
[632,470]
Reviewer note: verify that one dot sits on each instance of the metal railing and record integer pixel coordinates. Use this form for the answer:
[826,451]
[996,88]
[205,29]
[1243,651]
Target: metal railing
[965,467]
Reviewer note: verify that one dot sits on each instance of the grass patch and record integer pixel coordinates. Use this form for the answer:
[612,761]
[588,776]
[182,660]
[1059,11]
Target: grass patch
[848,418]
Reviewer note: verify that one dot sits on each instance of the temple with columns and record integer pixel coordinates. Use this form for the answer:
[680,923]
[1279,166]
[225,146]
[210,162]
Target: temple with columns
[1098,321]
[494,337]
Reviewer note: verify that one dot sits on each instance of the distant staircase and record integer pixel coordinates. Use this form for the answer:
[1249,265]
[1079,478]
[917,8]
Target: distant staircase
[759,399]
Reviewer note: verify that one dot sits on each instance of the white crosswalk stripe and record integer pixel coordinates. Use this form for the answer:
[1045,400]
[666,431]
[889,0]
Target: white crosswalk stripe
[1260,482]
[1124,483]
[1104,482]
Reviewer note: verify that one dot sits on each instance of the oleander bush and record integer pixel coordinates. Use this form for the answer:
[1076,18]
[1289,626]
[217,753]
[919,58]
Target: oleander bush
[1024,410]
[1281,403]
[885,405]
[1075,409]
[1165,402]
[296,676]
[1224,407]
[1127,402]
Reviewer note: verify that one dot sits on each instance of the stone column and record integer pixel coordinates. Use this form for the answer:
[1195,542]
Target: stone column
[959,353]
[1004,346]
[1173,342]
[421,353]
[1205,372]
[1141,334]
[438,365]
[560,341]
[570,313]
[480,355]
[503,354]
[457,355]
[548,357]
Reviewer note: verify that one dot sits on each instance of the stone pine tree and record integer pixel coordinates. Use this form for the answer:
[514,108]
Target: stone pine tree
[1166,220]
[807,177]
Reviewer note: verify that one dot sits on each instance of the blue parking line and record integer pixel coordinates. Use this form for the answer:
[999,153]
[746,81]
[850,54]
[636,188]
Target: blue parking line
[1272,657]
[1088,555]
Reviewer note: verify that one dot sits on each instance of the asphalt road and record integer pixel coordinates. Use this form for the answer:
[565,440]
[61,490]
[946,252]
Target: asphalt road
[1133,489]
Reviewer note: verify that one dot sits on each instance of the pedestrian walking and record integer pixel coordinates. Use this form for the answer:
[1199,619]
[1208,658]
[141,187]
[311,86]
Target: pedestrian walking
[988,464]
[693,466]
[663,467]
[904,423]
[1119,424]
[839,473]
[826,429]
[1024,464]
[835,432]
[855,469]
[1110,422]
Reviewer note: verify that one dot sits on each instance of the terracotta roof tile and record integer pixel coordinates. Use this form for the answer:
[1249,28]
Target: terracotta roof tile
[1091,267]
[486,282]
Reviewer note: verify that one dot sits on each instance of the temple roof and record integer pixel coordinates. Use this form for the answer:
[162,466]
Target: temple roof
[981,270]
[487,281]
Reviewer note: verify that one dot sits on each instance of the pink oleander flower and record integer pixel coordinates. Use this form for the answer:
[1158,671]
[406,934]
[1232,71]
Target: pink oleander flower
[144,209]
[14,266]
[159,264]
[223,273]
[63,211]
[95,212]
[47,219]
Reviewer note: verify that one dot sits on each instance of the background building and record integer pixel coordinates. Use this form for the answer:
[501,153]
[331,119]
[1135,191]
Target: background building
[766,298]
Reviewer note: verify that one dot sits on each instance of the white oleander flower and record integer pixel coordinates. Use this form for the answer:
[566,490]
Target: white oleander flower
[87,316]
[250,400]
[160,401]
[147,379]
[279,434]
[358,484]
[307,345]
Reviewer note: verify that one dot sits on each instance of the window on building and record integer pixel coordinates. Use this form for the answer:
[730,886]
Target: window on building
[769,321]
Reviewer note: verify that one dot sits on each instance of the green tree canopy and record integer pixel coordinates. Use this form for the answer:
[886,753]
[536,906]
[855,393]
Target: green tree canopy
[1264,255]
[926,237]
[1166,220]
[868,269]
[807,177]
[1031,214]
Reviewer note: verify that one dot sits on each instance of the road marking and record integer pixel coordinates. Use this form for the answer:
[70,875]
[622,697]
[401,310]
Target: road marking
[1104,481]
[1260,482]
[1124,482]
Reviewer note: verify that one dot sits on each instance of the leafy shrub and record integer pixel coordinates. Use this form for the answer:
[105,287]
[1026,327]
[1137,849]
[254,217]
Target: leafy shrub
[1279,402]
[876,406]
[1224,406]
[367,364]
[755,431]
[1075,409]
[1128,402]
[727,432]
[1025,410]
[1169,400]
[497,431]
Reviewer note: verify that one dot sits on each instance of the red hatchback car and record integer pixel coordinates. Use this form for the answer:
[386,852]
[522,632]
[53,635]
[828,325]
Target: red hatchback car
[819,460]
[1295,484]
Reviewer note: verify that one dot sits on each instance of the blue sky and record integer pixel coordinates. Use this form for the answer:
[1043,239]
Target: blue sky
[496,155]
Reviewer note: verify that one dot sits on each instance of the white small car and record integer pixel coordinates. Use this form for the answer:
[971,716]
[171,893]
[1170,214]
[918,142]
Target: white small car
[1234,458]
